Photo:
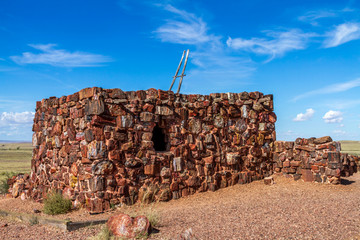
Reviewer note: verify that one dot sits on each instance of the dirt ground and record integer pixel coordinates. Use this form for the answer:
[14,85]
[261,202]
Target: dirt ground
[285,210]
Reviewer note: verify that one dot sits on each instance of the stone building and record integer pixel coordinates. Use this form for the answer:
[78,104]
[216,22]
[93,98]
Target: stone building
[105,146]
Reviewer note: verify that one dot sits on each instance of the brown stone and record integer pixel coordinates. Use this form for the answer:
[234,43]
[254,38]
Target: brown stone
[305,148]
[147,117]
[295,163]
[163,110]
[74,169]
[95,107]
[99,120]
[333,157]
[57,129]
[103,167]
[323,140]
[232,158]
[286,164]
[117,94]
[149,169]
[307,175]
[124,226]
[268,180]
[87,93]
[125,121]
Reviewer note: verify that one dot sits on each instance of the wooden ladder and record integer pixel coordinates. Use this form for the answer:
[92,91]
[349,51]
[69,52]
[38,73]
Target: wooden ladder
[182,73]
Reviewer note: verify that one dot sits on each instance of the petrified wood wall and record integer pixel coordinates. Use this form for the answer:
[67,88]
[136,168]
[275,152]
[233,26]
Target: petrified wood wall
[314,159]
[106,146]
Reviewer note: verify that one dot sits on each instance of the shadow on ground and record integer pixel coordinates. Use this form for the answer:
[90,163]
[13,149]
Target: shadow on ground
[346,182]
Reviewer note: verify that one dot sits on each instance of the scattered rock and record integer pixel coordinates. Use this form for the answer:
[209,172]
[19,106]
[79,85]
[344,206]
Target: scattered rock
[269,180]
[323,140]
[187,235]
[36,210]
[122,225]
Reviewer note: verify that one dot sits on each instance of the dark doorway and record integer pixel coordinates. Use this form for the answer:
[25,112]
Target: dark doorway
[158,139]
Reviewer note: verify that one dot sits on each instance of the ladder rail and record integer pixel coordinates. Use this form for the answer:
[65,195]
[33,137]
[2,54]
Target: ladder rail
[183,71]
[177,71]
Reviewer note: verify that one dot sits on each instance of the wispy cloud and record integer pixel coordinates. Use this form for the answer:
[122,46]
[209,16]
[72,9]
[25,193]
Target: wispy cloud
[339,132]
[342,33]
[7,104]
[334,88]
[210,55]
[214,65]
[343,103]
[333,117]
[187,28]
[304,116]
[287,135]
[60,57]
[276,44]
[312,17]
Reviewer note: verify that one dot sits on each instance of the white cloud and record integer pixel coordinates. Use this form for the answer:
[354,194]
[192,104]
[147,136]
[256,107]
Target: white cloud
[275,45]
[187,29]
[334,88]
[341,125]
[14,118]
[60,57]
[341,34]
[312,16]
[339,132]
[304,116]
[16,125]
[333,117]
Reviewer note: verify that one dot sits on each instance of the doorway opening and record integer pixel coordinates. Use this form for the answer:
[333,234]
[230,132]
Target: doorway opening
[158,139]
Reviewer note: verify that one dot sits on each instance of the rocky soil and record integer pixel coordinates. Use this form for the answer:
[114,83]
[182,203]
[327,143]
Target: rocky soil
[285,210]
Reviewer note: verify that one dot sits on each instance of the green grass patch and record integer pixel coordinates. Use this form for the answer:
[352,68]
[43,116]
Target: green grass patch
[15,157]
[350,147]
[55,203]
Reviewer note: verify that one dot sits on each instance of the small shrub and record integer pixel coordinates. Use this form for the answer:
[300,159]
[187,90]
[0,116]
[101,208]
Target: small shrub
[112,206]
[4,186]
[142,236]
[18,148]
[33,220]
[153,217]
[150,194]
[104,234]
[55,203]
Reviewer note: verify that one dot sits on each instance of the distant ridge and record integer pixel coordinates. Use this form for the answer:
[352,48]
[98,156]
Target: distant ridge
[14,141]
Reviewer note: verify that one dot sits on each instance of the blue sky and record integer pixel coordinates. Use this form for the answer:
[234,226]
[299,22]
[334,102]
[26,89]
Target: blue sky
[306,53]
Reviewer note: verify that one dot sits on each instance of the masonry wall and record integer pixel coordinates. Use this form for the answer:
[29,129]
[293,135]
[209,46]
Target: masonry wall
[105,146]
[313,159]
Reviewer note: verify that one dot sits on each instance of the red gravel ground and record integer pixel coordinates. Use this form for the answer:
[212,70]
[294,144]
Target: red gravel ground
[285,210]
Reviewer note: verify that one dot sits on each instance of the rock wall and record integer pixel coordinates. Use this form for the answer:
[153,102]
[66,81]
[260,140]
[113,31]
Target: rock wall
[104,146]
[313,159]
